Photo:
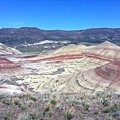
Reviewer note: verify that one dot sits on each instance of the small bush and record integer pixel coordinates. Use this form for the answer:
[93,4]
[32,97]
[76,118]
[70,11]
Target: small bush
[23,108]
[118,95]
[23,117]
[16,102]
[68,116]
[85,105]
[110,118]
[10,113]
[40,119]
[50,114]
[53,102]
[96,113]
[106,111]
[114,108]
[33,116]
[116,114]
[105,101]
[32,98]
[46,109]
[5,101]
[5,117]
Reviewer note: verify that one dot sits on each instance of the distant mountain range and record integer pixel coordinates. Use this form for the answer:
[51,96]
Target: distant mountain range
[30,37]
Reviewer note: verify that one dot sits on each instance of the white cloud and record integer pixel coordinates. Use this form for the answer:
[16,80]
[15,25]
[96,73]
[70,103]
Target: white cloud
[18,23]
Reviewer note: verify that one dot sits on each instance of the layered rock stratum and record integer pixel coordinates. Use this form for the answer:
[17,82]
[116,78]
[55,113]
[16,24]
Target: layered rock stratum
[8,50]
[69,69]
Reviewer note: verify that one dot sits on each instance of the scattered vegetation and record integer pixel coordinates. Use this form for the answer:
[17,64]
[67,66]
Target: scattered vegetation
[60,107]
[24,51]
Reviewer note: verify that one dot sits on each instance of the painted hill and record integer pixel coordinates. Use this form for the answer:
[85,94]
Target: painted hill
[105,50]
[76,68]
[103,78]
[69,69]
[8,50]
[8,67]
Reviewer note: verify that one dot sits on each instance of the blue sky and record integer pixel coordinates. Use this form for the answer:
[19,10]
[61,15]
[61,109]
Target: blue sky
[60,14]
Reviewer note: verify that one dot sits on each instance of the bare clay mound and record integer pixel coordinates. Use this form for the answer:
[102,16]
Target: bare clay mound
[74,68]
[7,67]
[93,68]
[105,50]
[8,50]
[103,78]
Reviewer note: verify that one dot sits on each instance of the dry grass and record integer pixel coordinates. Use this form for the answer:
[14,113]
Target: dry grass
[61,107]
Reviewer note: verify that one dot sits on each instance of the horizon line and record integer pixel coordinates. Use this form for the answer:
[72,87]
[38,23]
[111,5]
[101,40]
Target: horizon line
[59,29]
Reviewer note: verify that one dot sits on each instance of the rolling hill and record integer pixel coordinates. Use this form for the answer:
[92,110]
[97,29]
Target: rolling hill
[33,38]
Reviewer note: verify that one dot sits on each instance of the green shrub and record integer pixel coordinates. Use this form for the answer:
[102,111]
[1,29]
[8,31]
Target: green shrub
[114,108]
[19,105]
[105,101]
[10,113]
[68,116]
[85,105]
[32,98]
[116,114]
[110,118]
[53,102]
[5,101]
[23,108]
[46,109]
[106,111]
[96,113]
[118,95]
[16,102]
[72,104]
[5,118]
[33,116]
[50,114]
[40,119]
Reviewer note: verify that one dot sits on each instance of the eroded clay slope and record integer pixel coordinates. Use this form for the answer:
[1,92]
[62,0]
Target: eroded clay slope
[105,77]
[8,67]
[70,49]
[8,50]
[64,53]
[105,50]
[74,68]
